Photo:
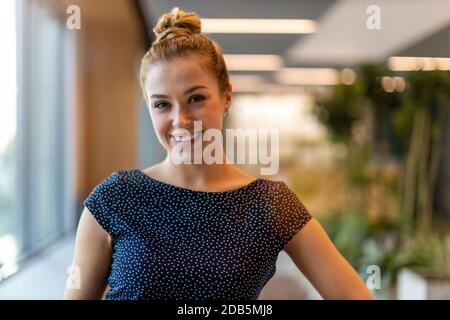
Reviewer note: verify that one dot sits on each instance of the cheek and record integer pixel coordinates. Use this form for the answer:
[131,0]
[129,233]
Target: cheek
[212,116]
[160,125]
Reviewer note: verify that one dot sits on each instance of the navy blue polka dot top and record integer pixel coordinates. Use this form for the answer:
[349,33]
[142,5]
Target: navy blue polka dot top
[175,243]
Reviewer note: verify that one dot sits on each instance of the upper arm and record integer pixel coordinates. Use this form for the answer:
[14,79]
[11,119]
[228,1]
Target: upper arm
[91,260]
[327,270]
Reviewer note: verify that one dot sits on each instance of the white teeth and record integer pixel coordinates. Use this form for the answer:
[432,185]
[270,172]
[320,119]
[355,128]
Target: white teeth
[182,138]
[185,138]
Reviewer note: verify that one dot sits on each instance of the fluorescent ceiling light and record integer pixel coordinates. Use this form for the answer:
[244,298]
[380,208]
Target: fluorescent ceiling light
[258,26]
[247,82]
[253,62]
[271,88]
[278,88]
[418,63]
[308,76]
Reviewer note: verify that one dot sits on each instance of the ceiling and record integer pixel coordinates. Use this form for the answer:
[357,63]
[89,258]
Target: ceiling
[408,27]
[255,9]
[344,38]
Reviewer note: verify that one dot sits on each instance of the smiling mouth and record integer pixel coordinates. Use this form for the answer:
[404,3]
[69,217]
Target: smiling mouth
[185,139]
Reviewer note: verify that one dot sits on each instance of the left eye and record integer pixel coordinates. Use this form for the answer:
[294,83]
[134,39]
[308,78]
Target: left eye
[197,97]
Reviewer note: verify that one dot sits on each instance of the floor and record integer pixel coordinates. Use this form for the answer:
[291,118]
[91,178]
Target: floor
[43,276]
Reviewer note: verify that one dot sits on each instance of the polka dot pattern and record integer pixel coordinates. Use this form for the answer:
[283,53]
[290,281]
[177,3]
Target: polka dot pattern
[175,243]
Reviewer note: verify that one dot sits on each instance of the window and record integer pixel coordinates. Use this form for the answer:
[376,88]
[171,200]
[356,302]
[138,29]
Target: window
[45,115]
[9,222]
[36,114]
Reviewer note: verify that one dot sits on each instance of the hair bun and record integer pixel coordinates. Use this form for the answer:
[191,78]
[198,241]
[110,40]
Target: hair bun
[177,23]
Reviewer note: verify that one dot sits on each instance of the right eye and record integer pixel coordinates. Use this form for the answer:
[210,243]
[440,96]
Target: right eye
[160,105]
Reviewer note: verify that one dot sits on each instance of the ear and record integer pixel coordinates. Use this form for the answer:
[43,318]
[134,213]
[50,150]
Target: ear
[228,95]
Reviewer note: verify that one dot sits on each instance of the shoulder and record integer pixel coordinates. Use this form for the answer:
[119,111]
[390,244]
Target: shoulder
[277,196]
[107,197]
[273,189]
[114,184]
[283,201]
[119,178]
[287,212]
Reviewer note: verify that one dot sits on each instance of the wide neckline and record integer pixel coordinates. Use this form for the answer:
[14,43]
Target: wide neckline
[142,173]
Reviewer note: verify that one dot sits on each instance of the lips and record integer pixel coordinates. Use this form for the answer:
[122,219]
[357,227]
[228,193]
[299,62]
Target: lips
[185,139]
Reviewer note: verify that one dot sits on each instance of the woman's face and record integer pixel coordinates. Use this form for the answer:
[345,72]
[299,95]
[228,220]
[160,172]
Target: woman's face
[180,92]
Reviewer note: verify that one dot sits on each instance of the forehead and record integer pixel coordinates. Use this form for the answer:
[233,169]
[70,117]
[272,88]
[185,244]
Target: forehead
[176,75]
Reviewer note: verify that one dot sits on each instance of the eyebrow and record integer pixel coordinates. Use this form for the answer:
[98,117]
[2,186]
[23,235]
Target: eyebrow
[185,92]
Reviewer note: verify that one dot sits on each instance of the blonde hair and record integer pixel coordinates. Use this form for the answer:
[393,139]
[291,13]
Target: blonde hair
[178,34]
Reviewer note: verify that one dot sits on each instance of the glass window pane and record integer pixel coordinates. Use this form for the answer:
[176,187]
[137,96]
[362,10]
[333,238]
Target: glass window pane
[47,92]
[9,219]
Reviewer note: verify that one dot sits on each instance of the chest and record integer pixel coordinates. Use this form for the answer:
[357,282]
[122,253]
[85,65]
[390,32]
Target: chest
[188,252]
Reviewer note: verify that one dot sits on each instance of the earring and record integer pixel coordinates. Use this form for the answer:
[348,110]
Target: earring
[225,115]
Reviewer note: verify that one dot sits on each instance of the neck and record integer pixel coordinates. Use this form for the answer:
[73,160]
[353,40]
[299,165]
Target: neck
[198,174]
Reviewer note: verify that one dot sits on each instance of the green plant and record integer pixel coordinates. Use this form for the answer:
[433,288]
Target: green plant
[424,113]
[408,126]
[429,253]
[365,242]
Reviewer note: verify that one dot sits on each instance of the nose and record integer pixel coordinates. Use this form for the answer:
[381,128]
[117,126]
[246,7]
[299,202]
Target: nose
[181,117]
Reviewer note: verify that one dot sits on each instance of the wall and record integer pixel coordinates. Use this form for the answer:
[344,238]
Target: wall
[109,46]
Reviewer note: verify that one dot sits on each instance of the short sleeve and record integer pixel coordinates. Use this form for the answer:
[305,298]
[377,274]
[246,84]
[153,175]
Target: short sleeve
[104,200]
[290,215]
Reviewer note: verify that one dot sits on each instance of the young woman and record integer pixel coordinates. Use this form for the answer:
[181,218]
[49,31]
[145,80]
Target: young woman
[196,231]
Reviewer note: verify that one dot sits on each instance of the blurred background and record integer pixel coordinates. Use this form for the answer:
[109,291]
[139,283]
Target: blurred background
[360,91]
